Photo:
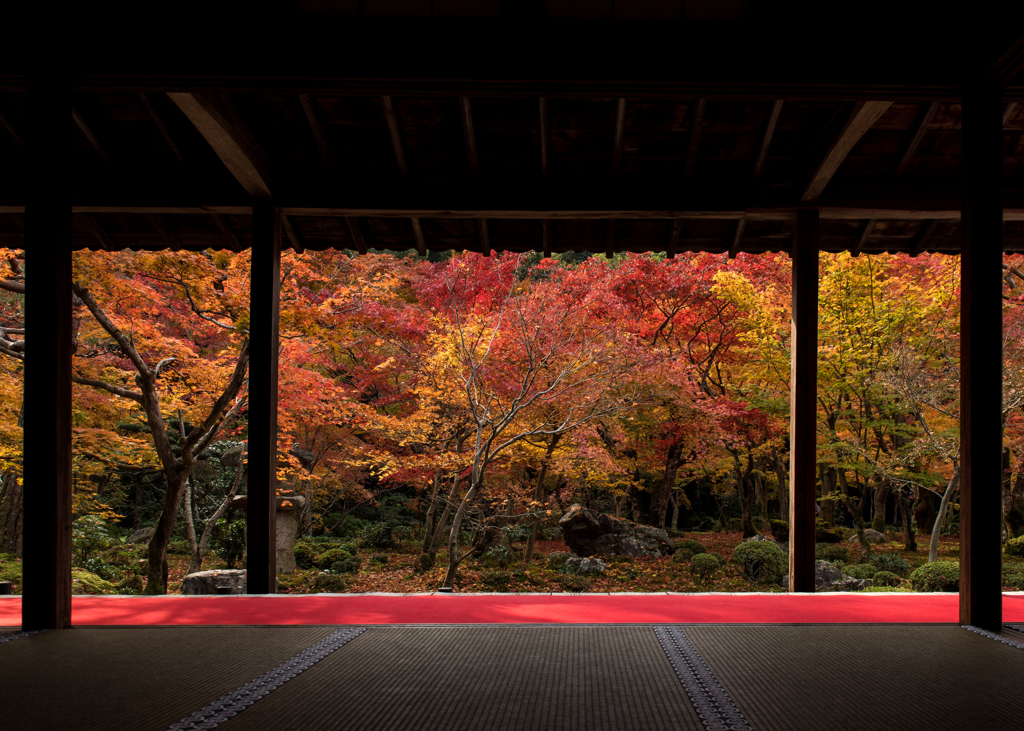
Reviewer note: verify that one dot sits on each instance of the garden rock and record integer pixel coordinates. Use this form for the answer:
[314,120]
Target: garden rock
[588,532]
[583,566]
[206,582]
[234,456]
[871,535]
[142,535]
[827,577]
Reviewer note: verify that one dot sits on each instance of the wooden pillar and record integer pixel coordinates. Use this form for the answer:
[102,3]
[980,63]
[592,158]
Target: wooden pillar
[264,324]
[46,600]
[981,360]
[803,386]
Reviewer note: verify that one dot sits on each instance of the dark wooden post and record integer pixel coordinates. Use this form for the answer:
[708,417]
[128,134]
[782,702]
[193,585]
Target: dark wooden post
[981,360]
[264,324]
[803,387]
[46,600]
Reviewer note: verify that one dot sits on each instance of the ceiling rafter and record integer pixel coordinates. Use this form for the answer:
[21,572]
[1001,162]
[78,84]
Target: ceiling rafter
[769,132]
[161,127]
[356,233]
[923,236]
[620,124]
[76,116]
[218,122]
[470,134]
[317,128]
[695,129]
[915,139]
[395,133]
[737,239]
[542,113]
[865,234]
[417,232]
[861,119]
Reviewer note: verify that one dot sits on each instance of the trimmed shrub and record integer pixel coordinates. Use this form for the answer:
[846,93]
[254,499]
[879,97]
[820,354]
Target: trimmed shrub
[497,580]
[84,582]
[761,561]
[937,576]
[885,578]
[179,548]
[346,565]
[860,571]
[682,555]
[892,562]
[306,555]
[703,568]
[1013,577]
[694,547]
[576,583]
[826,535]
[1014,547]
[780,531]
[425,562]
[379,558]
[831,552]
[556,559]
[718,557]
[339,561]
[329,583]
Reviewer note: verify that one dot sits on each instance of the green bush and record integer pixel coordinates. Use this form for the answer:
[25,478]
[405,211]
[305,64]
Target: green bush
[329,583]
[694,547]
[347,565]
[10,570]
[780,531]
[379,558]
[339,561]
[497,580]
[1014,547]
[1013,577]
[84,582]
[89,534]
[557,559]
[576,583]
[306,555]
[892,562]
[718,557]
[860,571]
[886,578]
[761,561]
[376,535]
[179,548]
[682,555]
[937,576]
[425,562]
[703,568]
[826,535]
[831,552]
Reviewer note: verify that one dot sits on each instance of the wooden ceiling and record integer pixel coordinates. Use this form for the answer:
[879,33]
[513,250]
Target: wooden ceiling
[643,155]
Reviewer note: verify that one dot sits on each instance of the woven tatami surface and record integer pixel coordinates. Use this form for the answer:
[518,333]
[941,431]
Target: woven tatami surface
[126,679]
[861,678]
[486,679]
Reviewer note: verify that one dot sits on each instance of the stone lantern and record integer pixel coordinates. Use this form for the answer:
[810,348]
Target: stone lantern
[289,508]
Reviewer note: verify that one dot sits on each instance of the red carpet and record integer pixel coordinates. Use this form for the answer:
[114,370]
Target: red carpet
[514,609]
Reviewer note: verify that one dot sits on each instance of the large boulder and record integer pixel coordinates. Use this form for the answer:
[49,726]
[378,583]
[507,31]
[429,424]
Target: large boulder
[588,533]
[871,535]
[206,582]
[142,535]
[828,577]
[584,566]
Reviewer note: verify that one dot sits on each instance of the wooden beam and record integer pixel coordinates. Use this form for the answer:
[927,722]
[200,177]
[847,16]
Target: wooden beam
[46,582]
[862,118]
[470,134]
[485,238]
[5,123]
[609,250]
[865,233]
[1009,65]
[317,128]
[620,124]
[293,237]
[915,139]
[160,226]
[1008,113]
[981,341]
[232,142]
[417,232]
[769,132]
[396,136]
[673,238]
[356,233]
[923,237]
[106,244]
[697,123]
[80,123]
[542,109]
[803,402]
[148,105]
[233,244]
[737,240]
[264,331]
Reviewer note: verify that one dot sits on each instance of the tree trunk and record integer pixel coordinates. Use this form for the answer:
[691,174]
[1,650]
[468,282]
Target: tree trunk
[435,542]
[428,522]
[933,545]
[453,539]
[906,511]
[781,477]
[659,496]
[878,501]
[745,492]
[635,505]
[156,578]
[857,511]
[11,514]
[828,485]
[675,510]
[539,496]
[762,496]
[195,559]
[196,564]
[137,508]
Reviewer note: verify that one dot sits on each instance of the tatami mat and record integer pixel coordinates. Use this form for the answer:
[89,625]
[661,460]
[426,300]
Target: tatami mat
[483,678]
[126,679]
[861,678]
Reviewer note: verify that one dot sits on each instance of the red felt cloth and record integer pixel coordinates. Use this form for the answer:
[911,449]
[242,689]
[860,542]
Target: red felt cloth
[514,609]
